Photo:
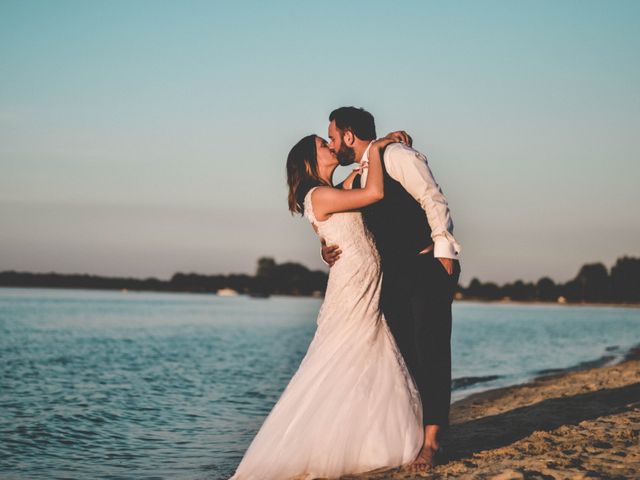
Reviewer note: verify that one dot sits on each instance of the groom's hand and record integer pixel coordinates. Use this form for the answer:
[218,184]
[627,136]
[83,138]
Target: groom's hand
[330,253]
[447,263]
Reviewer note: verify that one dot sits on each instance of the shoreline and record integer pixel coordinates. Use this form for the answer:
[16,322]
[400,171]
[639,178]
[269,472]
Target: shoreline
[566,425]
[603,361]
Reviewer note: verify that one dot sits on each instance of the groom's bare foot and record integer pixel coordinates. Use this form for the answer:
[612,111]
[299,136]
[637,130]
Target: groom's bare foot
[425,460]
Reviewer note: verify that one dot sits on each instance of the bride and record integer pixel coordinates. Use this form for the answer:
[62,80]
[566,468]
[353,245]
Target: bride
[352,405]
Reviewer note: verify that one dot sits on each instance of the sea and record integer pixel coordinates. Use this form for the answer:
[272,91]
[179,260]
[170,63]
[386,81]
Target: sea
[145,385]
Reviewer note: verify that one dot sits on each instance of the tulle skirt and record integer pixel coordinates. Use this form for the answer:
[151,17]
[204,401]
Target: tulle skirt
[351,407]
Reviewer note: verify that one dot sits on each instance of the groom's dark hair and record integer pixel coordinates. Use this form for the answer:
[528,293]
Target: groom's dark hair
[358,120]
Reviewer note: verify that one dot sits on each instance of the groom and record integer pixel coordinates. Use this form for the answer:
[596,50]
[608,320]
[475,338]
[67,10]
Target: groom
[413,232]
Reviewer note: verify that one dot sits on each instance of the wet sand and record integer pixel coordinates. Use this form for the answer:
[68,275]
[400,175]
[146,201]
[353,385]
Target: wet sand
[570,425]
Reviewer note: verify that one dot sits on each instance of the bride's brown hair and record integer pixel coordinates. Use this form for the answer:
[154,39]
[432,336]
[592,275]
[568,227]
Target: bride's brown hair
[302,172]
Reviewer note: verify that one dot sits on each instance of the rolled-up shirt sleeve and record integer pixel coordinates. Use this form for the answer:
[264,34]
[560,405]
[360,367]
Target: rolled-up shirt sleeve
[410,168]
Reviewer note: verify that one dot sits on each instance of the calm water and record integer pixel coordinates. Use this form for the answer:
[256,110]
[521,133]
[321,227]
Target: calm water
[100,384]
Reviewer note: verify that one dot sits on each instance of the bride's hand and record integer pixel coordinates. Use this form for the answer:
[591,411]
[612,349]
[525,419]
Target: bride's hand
[400,136]
[393,137]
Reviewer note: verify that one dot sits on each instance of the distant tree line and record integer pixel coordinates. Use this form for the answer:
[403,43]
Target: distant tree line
[593,283]
[270,278]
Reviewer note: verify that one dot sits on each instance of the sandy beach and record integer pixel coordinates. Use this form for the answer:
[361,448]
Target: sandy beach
[570,425]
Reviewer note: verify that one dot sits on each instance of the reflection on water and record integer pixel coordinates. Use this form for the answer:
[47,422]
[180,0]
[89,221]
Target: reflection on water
[100,384]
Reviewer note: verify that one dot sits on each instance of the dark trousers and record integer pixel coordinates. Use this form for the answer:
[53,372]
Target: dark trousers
[416,301]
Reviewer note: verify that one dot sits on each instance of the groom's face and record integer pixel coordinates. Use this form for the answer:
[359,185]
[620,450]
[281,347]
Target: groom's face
[346,155]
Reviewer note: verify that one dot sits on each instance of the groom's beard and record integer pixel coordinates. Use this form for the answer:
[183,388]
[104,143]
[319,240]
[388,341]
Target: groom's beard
[346,155]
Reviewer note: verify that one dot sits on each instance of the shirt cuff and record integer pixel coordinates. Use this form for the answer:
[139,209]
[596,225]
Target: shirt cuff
[444,249]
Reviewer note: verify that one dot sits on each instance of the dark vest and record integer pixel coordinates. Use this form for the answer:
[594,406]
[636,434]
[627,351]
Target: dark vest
[398,224]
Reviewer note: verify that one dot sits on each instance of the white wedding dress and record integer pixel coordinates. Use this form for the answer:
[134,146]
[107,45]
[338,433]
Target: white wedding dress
[352,405]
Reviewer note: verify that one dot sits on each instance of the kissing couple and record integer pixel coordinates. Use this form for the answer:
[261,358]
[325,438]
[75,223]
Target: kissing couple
[373,390]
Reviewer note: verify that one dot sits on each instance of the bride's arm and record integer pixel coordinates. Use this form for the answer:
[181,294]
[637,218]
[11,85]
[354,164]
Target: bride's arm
[331,253]
[328,200]
[347,183]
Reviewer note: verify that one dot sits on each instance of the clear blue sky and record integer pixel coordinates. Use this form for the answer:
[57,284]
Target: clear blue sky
[144,138]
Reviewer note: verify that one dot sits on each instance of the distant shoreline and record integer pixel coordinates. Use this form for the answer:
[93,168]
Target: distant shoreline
[594,285]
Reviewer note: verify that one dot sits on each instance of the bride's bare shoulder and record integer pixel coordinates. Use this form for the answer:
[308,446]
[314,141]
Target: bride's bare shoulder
[322,192]
[321,197]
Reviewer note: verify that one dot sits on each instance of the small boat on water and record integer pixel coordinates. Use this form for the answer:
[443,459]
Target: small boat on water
[227,292]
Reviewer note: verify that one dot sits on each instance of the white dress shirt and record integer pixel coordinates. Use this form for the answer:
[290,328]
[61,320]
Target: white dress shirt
[410,168]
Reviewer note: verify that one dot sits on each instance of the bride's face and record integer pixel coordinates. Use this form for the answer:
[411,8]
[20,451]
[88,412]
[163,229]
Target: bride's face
[324,155]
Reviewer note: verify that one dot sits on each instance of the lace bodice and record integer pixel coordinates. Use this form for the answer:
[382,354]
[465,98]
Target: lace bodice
[347,230]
